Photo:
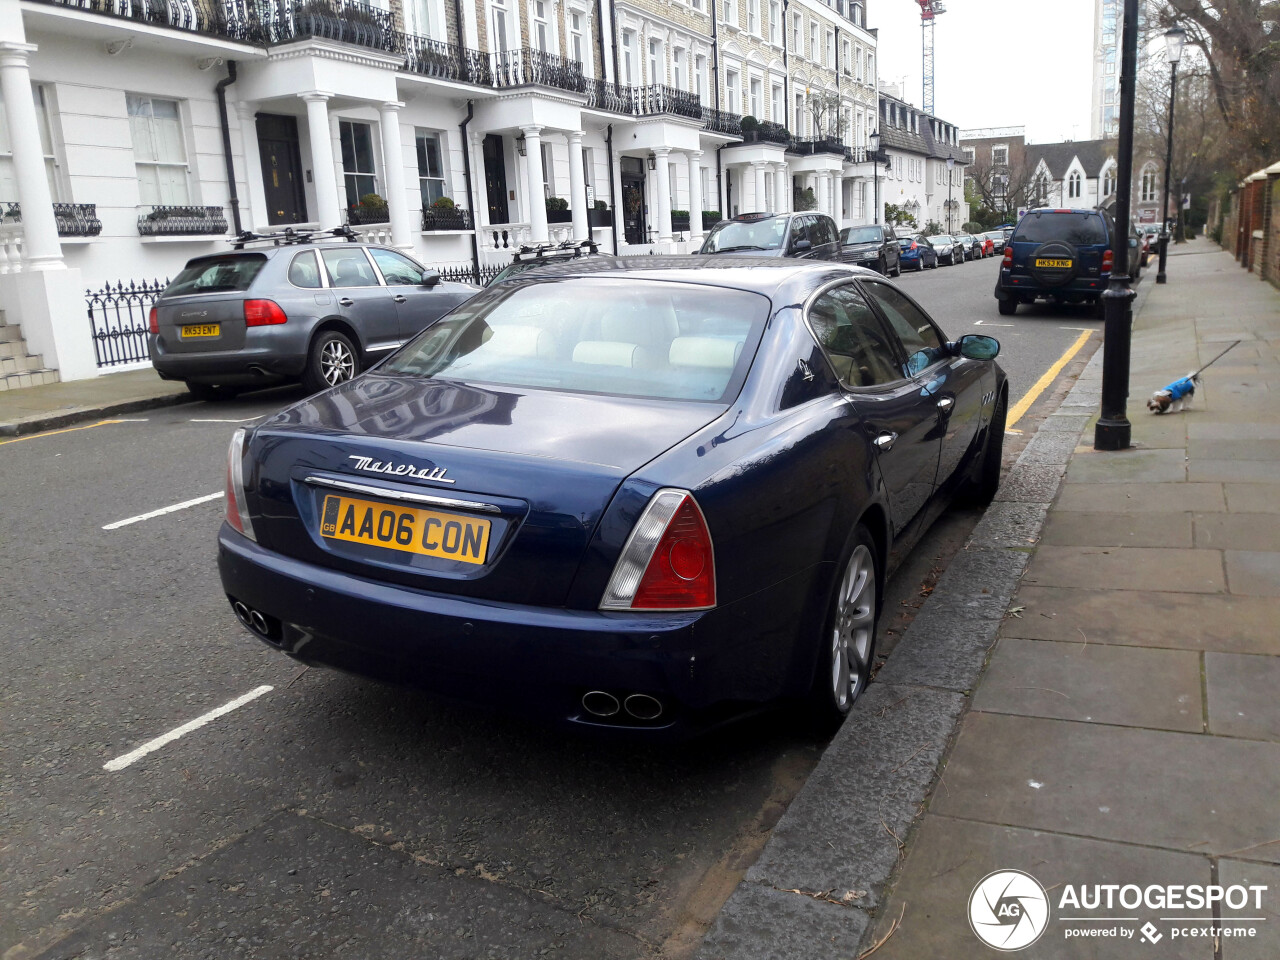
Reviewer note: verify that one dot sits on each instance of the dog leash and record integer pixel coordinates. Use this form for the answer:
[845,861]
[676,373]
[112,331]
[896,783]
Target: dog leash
[1215,359]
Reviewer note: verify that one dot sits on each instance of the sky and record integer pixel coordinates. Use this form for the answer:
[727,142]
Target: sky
[997,63]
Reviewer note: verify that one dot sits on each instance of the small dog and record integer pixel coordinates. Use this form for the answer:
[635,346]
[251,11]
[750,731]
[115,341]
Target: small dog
[1179,392]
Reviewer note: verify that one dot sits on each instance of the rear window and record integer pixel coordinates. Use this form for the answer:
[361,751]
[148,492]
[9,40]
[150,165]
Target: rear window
[1076,228]
[861,234]
[233,272]
[633,338]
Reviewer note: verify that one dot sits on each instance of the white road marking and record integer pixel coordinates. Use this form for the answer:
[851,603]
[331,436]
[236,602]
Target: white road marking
[988,323]
[119,763]
[162,511]
[245,420]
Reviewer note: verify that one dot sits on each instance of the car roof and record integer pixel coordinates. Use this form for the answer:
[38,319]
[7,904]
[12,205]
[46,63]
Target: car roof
[764,275]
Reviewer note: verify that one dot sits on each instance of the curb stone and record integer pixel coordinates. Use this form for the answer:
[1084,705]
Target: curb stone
[66,418]
[846,829]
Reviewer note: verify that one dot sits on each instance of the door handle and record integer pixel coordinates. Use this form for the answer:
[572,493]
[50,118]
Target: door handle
[400,298]
[946,403]
[346,301]
[884,442]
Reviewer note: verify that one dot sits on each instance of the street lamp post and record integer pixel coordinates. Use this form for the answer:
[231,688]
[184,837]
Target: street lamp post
[951,163]
[1174,39]
[1112,430]
[874,140]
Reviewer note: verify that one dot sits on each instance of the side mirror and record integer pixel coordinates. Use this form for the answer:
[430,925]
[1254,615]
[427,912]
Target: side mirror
[974,346]
[430,278]
[1133,243]
[801,245]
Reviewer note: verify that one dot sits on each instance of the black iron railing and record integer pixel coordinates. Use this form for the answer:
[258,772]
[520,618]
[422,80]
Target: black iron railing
[468,274]
[182,221]
[245,20]
[643,101]
[361,216]
[73,219]
[444,61]
[768,132]
[458,218]
[721,121]
[523,67]
[118,320]
[347,21]
[811,145]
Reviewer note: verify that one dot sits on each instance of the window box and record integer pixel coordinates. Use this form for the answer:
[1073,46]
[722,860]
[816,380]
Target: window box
[182,221]
[439,218]
[600,218]
[559,216]
[680,220]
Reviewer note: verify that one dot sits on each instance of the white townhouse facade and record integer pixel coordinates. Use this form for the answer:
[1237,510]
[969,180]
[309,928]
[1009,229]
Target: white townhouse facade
[140,133]
[917,178]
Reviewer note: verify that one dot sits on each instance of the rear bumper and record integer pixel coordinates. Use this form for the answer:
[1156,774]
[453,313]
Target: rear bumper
[1025,287]
[539,659]
[268,353]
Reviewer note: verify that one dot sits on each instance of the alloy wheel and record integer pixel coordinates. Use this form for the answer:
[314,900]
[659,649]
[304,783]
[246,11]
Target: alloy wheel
[852,631]
[337,363]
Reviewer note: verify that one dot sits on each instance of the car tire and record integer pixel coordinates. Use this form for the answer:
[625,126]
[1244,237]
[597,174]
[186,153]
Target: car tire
[332,360]
[897,271]
[981,488]
[882,267]
[847,644]
[1008,307]
[211,393]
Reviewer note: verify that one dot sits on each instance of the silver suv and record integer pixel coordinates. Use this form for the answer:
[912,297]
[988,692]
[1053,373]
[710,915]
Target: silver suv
[293,309]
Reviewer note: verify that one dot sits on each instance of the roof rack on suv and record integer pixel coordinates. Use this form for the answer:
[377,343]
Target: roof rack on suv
[289,237]
[575,247]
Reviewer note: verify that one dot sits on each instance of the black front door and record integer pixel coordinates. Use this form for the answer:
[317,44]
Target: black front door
[634,221]
[281,168]
[495,179]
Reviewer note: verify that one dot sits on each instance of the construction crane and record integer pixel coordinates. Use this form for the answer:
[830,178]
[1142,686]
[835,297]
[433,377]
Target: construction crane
[929,10]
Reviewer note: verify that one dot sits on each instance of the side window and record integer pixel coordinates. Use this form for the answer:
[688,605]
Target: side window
[855,341]
[303,272]
[922,345]
[396,267]
[348,267]
[799,230]
[831,235]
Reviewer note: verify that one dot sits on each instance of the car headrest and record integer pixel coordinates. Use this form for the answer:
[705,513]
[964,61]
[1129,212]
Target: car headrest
[704,352]
[612,352]
[513,340]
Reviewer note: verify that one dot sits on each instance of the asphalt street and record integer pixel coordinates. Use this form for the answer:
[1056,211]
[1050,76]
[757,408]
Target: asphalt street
[329,815]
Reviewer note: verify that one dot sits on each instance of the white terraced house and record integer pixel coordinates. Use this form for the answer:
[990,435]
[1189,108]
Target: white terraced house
[137,134]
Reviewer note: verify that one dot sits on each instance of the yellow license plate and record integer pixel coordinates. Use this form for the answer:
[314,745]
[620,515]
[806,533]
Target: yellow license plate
[408,529]
[201,330]
[1064,264]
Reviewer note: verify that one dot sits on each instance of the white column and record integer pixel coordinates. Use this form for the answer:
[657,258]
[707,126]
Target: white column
[761,204]
[694,157]
[533,178]
[820,190]
[257,214]
[398,210]
[837,190]
[662,197]
[479,199]
[780,178]
[40,245]
[578,188]
[323,172]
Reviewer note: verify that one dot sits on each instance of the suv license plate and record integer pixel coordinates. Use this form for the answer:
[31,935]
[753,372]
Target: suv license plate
[1064,264]
[194,330]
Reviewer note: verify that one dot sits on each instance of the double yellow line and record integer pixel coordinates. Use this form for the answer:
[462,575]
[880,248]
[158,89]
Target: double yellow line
[1039,387]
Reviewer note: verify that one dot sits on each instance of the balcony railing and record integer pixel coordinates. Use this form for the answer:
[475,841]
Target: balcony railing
[182,221]
[445,61]
[245,20]
[811,145]
[347,21]
[525,67]
[459,218]
[359,215]
[73,219]
[721,121]
[768,132]
[643,101]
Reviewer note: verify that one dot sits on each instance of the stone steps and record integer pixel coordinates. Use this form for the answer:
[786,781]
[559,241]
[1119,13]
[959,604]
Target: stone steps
[18,368]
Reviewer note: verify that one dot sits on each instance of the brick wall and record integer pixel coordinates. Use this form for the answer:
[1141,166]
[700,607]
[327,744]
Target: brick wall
[1271,247]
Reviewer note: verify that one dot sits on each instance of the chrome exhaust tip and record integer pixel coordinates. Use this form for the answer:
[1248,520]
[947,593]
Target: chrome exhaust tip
[258,622]
[242,614]
[598,703]
[643,707]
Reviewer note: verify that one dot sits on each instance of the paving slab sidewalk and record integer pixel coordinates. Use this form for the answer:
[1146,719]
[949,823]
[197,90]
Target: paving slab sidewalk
[55,405]
[1125,728]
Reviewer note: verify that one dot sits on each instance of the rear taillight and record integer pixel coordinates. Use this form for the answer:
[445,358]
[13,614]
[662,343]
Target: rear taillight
[153,321]
[668,562]
[1107,261]
[913,245]
[262,313]
[1008,256]
[237,508]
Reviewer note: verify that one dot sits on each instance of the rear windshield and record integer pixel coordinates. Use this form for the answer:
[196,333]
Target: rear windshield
[755,235]
[633,338]
[942,238]
[905,242]
[217,274]
[1076,228]
[861,234]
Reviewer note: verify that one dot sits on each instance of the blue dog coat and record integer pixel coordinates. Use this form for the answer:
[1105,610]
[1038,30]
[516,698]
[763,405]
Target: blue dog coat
[1180,388]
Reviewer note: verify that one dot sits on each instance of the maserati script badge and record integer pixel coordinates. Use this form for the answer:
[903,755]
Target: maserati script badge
[369,465]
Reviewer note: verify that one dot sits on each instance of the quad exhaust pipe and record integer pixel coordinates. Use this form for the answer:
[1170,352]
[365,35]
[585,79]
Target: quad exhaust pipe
[639,706]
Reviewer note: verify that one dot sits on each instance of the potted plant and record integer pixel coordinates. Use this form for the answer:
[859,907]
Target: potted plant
[558,210]
[750,129]
[679,219]
[710,218]
[600,215]
[443,203]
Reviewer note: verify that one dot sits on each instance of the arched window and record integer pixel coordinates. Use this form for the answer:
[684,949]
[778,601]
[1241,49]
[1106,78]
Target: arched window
[1148,184]
[1108,181]
[1074,183]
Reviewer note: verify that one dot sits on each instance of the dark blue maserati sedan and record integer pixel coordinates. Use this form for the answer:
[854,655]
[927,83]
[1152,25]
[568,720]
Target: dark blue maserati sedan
[649,493]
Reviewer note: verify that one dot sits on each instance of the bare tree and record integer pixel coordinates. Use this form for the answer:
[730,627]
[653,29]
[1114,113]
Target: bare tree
[1003,187]
[828,120]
